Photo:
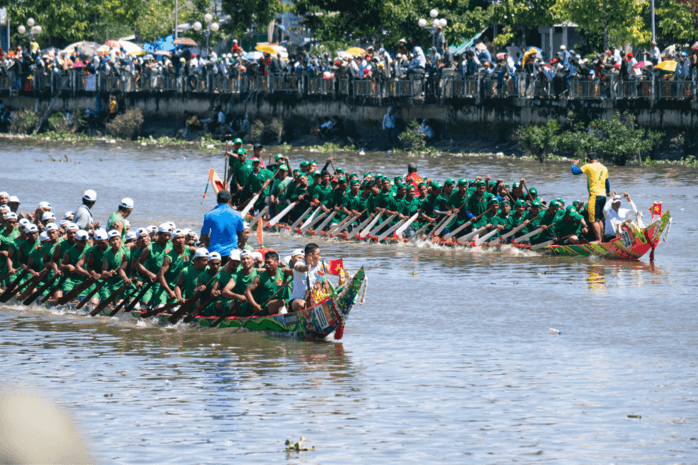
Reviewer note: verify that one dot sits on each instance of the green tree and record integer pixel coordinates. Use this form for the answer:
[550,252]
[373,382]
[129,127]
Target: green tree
[619,21]
[517,16]
[62,21]
[246,14]
[678,18]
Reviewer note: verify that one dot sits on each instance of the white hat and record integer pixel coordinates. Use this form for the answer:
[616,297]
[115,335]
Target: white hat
[563,47]
[100,235]
[10,216]
[126,203]
[67,215]
[24,222]
[31,228]
[13,199]
[152,228]
[177,232]
[287,259]
[44,205]
[196,236]
[48,216]
[130,235]
[246,253]
[142,232]
[81,235]
[4,193]
[127,222]
[65,223]
[245,224]
[113,233]
[165,228]
[90,195]
[201,252]
[186,231]
[214,256]
[235,255]
[43,237]
[51,227]
[172,225]
[257,256]
[297,252]
[616,198]
[4,208]
[72,227]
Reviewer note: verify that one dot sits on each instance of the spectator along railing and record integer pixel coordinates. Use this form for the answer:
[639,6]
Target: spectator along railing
[451,86]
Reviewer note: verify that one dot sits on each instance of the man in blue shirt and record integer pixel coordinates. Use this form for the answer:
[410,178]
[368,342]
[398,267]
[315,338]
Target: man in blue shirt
[221,227]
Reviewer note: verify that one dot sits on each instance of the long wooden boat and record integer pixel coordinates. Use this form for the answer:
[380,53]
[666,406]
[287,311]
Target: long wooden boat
[328,316]
[317,322]
[633,243]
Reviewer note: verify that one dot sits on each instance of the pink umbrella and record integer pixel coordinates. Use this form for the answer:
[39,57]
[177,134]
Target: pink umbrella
[642,64]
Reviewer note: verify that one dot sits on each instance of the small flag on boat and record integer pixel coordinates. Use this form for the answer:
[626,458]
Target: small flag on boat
[205,190]
[656,209]
[260,234]
[336,267]
[215,181]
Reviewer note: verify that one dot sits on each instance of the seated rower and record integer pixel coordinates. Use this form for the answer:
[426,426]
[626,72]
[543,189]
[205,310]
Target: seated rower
[569,227]
[616,216]
[234,290]
[264,286]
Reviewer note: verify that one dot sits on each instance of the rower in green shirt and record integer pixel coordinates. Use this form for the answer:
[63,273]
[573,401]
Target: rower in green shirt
[263,287]
[71,258]
[322,193]
[117,219]
[114,267]
[220,305]
[569,228]
[260,180]
[407,208]
[491,219]
[151,260]
[187,280]
[549,217]
[176,258]
[234,290]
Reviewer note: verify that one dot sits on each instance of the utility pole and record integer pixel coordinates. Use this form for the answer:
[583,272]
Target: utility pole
[176,22]
[654,38]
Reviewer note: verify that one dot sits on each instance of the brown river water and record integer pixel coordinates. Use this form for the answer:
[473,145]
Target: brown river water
[449,360]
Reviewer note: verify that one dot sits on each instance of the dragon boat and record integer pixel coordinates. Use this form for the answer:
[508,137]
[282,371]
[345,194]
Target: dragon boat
[328,315]
[632,244]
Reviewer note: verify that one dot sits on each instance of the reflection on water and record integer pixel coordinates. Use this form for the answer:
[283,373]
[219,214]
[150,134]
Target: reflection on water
[450,359]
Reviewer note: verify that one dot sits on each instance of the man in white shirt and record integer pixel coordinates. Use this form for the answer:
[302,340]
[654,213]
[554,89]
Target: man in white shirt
[307,271]
[615,215]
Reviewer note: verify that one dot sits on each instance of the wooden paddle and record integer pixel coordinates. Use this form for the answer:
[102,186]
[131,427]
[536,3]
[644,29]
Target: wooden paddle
[375,230]
[356,230]
[57,286]
[157,310]
[370,225]
[89,296]
[76,291]
[308,224]
[188,303]
[519,239]
[473,233]
[229,312]
[339,227]
[254,198]
[29,300]
[120,306]
[487,236]
[32,283]
[390,230]
[300,218]
[322,226]
[114,295]
[138,296]
[283,213]
[259,215]
[407,224]
[10,274]
[510,233]
[443,226]
[261,307]
[464,225]
[12,285]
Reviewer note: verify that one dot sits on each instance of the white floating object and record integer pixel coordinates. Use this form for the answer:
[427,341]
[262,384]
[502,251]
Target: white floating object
[48,138]
[209,146]
[143,144]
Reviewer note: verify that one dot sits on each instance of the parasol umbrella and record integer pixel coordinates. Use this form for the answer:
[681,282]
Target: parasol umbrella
[670,50]
[500,56]
[669,66]
[86,48]
[265,48]
[185,41]
[112,43]
[343,54]
[254,55]
[356,51]
[103,50]
[163,53]
[642,64]
[481,46]
[130,47]
[531,51]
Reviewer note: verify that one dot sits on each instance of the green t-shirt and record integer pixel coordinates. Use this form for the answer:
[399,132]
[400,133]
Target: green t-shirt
[243,172]
[408,207]
[478,206]
[115,219]
[385,200]
[97,256]
[534,221]
[563,227]
[323,194]
[190,275]
[114,260]
[256,181]
[177,264]
[157,255]
[268,285]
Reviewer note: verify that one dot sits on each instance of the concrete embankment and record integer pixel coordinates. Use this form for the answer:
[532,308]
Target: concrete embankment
[464,122]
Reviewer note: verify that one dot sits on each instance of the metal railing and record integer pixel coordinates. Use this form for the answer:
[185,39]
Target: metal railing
[449,86]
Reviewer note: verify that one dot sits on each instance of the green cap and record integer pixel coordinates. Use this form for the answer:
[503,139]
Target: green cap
[279,156]
[400,185]
[506,186]
[354,181]
[242,151]
[493,202]
[237,141]
[554,204]
[493,183]
[354,175]
[340,170]
[533,191]
[296,171]
[283,168]
[535,203]
[462,182]
[316,173]
[481,183]
[367,175]
[561,200]
[397,178]
[520,203]
[570,210]
[342,179]
[422,184]
[471,182]
[304,164]
[436,185]
[516,184]
[449,182]
[410,187]
[313,161]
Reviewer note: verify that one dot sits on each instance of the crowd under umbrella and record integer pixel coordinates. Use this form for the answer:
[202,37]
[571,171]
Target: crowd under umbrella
[668,66]
[356,51]
[86,48]
[185,41]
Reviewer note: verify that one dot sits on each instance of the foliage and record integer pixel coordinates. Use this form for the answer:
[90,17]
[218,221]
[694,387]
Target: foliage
[256,130]
[678,18]
[23,121]
[126,125]
[619,20]
[619,140]
[59,123]
[410,139]
[538,140]
[520,15]
[246,13]
[62,21]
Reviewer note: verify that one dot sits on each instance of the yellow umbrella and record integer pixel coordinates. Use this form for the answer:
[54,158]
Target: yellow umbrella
[356,51]
[669,66]
[266,48]
[529,52]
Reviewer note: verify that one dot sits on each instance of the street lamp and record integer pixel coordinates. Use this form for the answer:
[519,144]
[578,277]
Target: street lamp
[210,28]
[434,24]
[34,29]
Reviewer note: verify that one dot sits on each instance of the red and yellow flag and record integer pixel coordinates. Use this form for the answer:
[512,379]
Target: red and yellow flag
[336,267]
[656,209]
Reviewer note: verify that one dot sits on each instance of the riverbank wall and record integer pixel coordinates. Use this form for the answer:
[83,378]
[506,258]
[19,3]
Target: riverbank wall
[487,122]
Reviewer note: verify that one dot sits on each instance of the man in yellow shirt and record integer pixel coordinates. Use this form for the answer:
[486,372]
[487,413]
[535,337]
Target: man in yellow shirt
[599,188]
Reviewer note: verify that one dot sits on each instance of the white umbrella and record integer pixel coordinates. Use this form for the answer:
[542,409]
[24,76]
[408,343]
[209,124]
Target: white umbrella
[256,55]
[130,47]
